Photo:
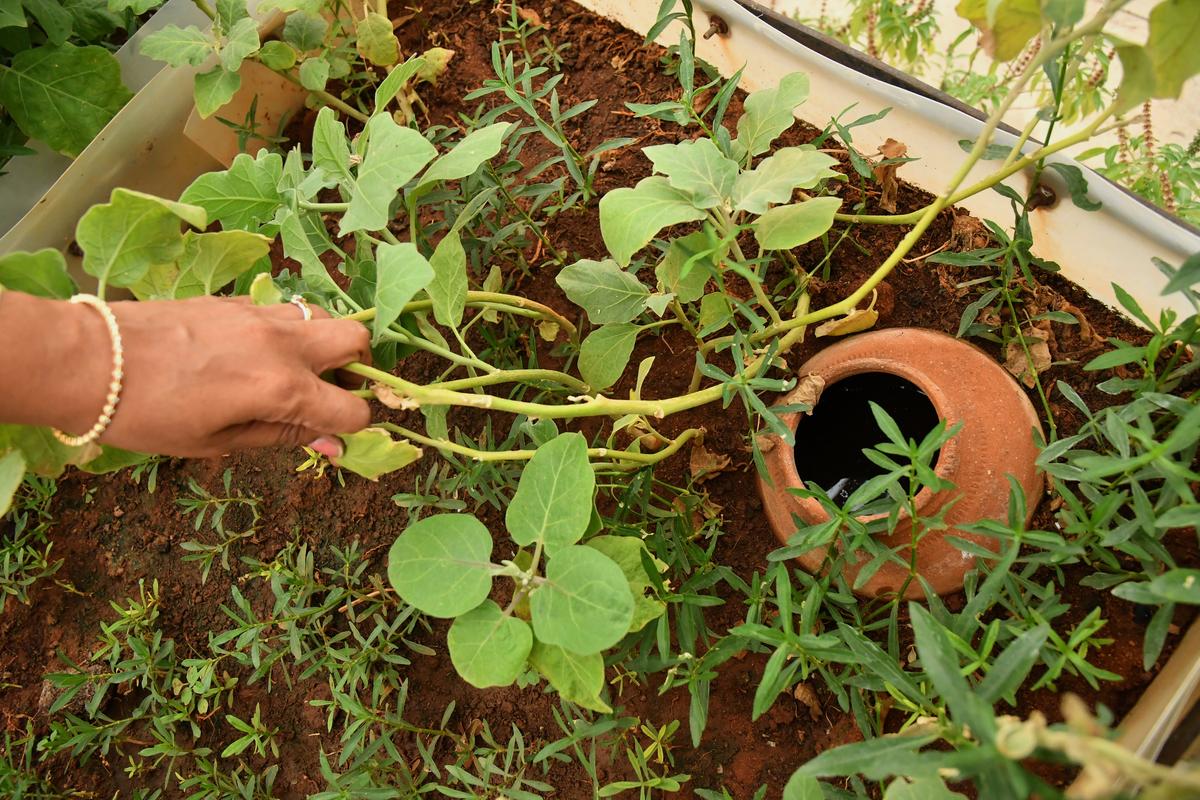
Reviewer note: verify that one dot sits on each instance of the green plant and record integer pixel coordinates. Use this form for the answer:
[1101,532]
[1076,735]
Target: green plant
[59,81]
[199,505]
[442,565]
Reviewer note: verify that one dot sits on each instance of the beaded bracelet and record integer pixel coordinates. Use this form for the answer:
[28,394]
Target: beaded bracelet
[115,384]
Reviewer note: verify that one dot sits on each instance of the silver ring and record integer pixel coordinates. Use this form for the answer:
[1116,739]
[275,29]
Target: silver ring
[302,304]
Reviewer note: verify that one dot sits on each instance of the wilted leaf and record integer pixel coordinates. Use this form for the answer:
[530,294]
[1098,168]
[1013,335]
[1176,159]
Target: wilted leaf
[885,174]
[1006,25]
[375,40]
[808,390]
[372,452]
[860,319]
[1016,362]
[704,464]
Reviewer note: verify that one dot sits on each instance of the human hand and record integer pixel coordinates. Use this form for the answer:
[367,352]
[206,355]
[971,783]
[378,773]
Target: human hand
[210,375]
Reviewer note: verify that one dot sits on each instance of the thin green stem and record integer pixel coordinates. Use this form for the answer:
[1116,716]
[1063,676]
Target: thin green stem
[412,394]
[515,376]
[205,9]
[636,459]
[336,208]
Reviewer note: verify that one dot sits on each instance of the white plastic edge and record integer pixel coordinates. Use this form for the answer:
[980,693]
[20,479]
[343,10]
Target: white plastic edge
[35,174]
[1094,249]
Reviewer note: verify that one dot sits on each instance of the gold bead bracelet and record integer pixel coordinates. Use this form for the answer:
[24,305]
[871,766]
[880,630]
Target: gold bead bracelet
[115,383]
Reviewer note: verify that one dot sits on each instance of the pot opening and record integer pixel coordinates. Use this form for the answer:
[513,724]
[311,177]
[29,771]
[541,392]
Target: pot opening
[830,441]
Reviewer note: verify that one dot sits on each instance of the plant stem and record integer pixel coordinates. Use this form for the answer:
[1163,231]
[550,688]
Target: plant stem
[205,9]
[515,376]
[337,208]
[326,98]
[510,301]
[638,459]
[593,406]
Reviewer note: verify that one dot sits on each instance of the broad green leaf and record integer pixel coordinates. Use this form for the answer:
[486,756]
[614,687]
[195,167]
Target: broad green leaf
[400,272]
[12,470]
[785,227]
[778,175]
[297,246]
[578,679]
[585,605]
[42,273]
[714,311]
[927,788]
[52,18]
[1007,25]
[178,46]
[12,15]
[137,6]
[394,155]
[605,291]
[1174,32]
[688,287]
[466,156]
[605,353]
[44,455]
[263,291]
[243,196]
[287,6]
[768,112]
[305,31]
[392,85]
[448,289]
[330,149]
[277,55]
[1137,78]
[212,260]
[803,787]
[630,218]
[442,564]
[488,648]
[112,459]
[214,89]
[230,12]
[314,74]
[240,43]
[63,95]
[626,552]
[375,40]
[1064,12]
[554,498]
[121,239]
[372,452]
[696,168]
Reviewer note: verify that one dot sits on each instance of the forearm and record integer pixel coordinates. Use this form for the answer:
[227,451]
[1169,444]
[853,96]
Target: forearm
[55,358]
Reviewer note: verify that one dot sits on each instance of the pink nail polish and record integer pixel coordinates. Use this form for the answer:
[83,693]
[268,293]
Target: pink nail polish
[328,446]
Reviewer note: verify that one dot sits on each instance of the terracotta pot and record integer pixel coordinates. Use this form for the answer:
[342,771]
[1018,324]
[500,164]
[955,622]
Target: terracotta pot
[997,439]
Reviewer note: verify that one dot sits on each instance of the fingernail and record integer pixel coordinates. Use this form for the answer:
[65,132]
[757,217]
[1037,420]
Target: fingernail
[328,446]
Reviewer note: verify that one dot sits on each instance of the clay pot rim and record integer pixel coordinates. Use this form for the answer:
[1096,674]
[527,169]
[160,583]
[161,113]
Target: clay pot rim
[948,456]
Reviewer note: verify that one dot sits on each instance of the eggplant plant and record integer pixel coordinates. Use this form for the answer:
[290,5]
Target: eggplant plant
[416,219]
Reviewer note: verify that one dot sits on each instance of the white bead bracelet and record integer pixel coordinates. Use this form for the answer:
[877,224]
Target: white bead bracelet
[114,385]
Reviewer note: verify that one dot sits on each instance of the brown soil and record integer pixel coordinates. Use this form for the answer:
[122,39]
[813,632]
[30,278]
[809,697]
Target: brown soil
[111,533]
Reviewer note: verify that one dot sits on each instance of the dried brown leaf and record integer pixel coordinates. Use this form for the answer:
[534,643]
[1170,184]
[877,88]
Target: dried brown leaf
[704,463]
[805,695]
[885,174]
[860,319]
[808,390]
[1015,360]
